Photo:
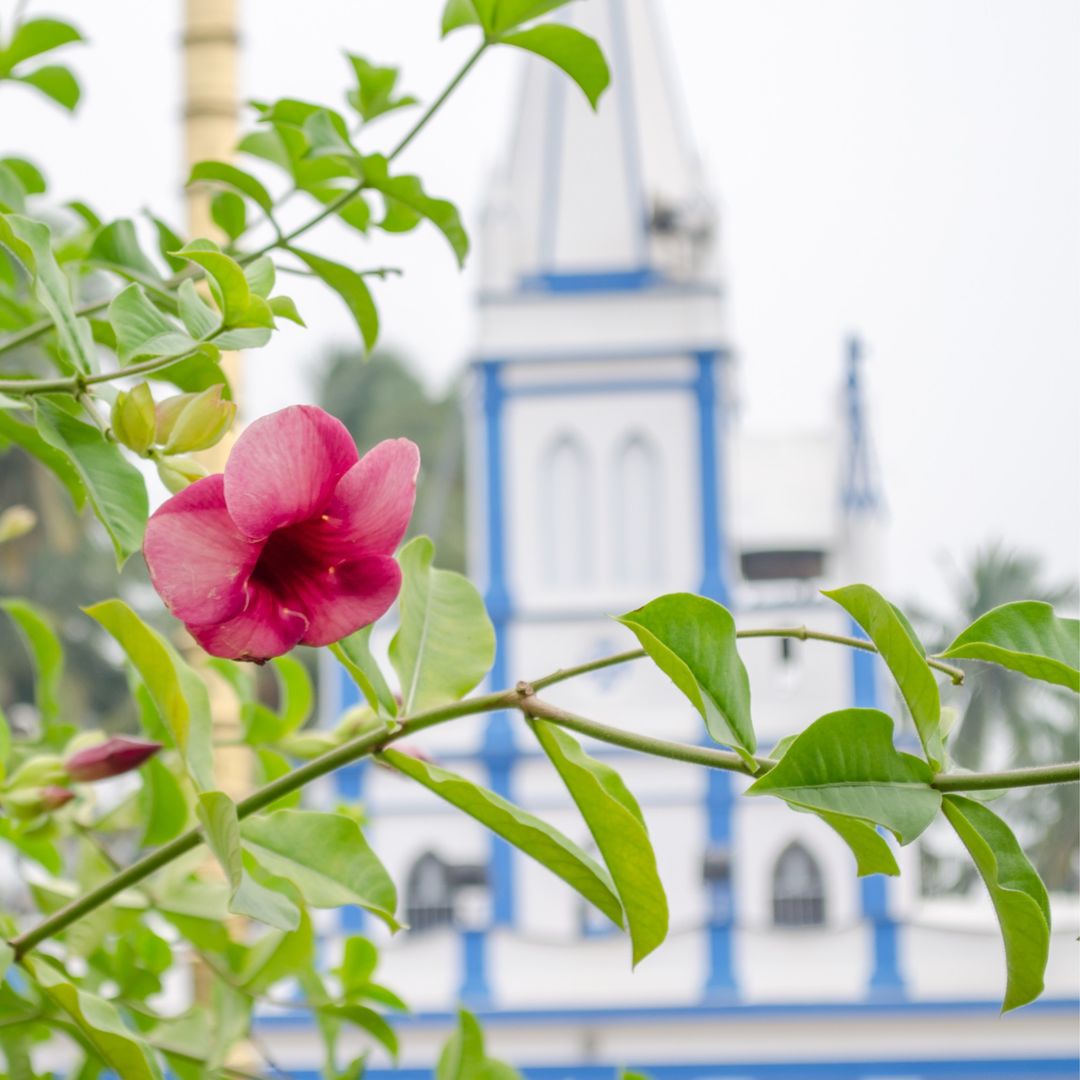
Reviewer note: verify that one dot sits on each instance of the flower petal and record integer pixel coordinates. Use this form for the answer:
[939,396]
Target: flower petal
[373,501]
[199,561]
[284,468]
[264,629]
[345,598]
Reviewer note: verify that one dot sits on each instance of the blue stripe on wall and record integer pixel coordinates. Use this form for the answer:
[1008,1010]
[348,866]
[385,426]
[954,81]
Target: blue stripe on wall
[713,547]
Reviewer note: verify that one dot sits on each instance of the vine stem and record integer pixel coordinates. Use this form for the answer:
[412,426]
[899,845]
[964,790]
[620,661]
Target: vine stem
[523,698]
[282,241]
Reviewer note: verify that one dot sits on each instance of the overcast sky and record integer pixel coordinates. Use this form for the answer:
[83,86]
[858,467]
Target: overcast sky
[909,169]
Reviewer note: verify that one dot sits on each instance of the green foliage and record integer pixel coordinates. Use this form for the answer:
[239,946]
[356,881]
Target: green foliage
[905,659]
[446,643]
[33,38]
[1018,895]
[47,652]
[845,763]
[574,52]
[692,640]
[526,832]
[1026,637]
[619,830]
[463,1056]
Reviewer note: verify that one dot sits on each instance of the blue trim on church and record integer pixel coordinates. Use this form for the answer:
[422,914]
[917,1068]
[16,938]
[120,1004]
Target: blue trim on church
[710,416]
[720,983]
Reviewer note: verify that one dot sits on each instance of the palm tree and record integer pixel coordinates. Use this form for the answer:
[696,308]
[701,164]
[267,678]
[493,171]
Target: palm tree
[1009,719]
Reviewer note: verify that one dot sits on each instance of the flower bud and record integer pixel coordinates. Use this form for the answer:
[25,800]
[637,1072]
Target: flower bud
[176,473]
[32,802]
[134,421]
[110,758]
[16,521]
[310,744]
[193,422]
[38,772]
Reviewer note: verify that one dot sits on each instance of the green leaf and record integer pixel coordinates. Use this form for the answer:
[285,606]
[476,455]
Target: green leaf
[374,93]
[278,955]
[57,82]
[227,281]
[618,827]
[179,694]
[198,317]
[845,763]
[217,813]
[168,242]
[459,13]
[297,693]
[162,805]
[408,192]
[355,653]
[117,246]
[115,487]
[1017,892]
[511,13]
[871,850]
[326,857]
[463,1056]
[12,195]
[221,172]
[228,211]
[528,833]
[34,37]
[27,437]
[30,176]
[1026,637]
[692,640]
[445,643]
[260,274]
[7,958]
[44,646]
[284,307]
[908,665]
[141,330]
[31,242]
[368,1020]
[98,1022]
[350,286]
[574,52]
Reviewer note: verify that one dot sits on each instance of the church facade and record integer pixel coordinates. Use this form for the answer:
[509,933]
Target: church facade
[606,467]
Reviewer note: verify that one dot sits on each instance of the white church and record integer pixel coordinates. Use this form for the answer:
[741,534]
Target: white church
[606,469]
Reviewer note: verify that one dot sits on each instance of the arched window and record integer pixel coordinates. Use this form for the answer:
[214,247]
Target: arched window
[798,889]
[638,512]
[429,898]
[567,506]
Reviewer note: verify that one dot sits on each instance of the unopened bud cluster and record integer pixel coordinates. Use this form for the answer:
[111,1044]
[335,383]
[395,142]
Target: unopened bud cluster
[170,429]
[41,784]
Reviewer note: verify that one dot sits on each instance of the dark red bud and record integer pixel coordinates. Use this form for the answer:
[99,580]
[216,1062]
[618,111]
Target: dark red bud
[53,797]
[110,758]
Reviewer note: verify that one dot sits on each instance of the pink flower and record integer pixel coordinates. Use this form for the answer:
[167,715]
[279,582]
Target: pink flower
[110,758]
[292,544]
[53,796]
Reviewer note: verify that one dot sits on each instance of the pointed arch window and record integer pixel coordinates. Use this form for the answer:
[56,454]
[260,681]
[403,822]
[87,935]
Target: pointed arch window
[798,889]
[429,900]
[567,502]
[637,491]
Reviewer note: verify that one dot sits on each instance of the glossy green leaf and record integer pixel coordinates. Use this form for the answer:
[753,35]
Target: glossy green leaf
[114,486]
[278,954]
[528,833]
[44,647]
[297,693]
[326,857]
[168,241]
[228,211]
[221,172]
[34,37]
[261,274]
[463,1056]
[360,1016]
[217,814]
[845,763]
[31,242]
[200,319]
[162,805]
[29,175]
[1026,637]
[1017,892]
[117,246]
[445,643]
[98,1022]
[12,194]
[692,640]
[903,657]
[409,192]
[227,281]
[350,286]
[55,81]
[355,653]
[574,52]
[284,307]
[141,330]
[871,850]
[616,823]
[178,693]
[374,93]
[27,437]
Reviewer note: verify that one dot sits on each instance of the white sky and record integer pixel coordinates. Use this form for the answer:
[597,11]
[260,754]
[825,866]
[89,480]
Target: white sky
[906,168]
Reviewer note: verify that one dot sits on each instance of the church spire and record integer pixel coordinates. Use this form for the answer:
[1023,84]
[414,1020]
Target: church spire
[606,201]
